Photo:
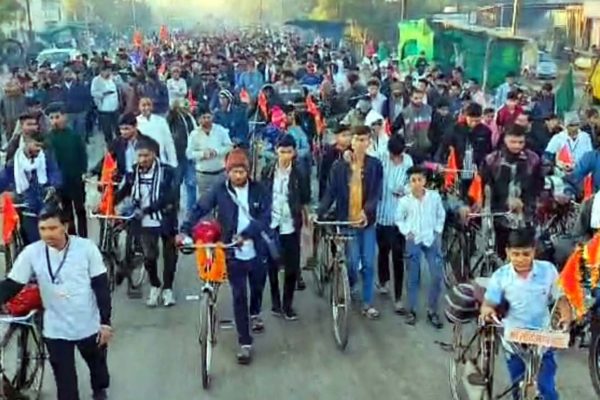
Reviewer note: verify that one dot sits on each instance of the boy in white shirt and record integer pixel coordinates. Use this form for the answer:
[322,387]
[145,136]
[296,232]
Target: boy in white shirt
[420,217]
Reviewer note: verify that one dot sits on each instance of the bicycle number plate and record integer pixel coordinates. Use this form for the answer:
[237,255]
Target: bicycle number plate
[556,340]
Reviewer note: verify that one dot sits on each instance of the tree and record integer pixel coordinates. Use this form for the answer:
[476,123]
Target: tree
[9,9]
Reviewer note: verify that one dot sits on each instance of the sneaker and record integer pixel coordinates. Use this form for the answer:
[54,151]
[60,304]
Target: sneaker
[383,289]
[370,312]
[101,394]
[434,320]
[277,312]
[399,308]
[301,285]
[290,315]
[256,324]
[244,356]
[153,297]
[168,298]
[411,318]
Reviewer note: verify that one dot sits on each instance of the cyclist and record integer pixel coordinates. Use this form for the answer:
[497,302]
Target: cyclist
[34,177]
[526,286]
[289,186]
[77,306]
[355,187]
[420,217]
[154,193]
[332,153]
[244,213]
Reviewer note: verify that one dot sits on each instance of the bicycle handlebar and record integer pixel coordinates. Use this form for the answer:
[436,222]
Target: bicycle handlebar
[115,217]
[337,223]
[220,245]
[100,183]
[490,214]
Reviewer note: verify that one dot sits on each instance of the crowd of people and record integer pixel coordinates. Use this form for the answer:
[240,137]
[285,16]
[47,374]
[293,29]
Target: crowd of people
[182,121]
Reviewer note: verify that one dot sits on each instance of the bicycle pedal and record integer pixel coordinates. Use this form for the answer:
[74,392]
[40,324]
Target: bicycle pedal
[134,294]
[476,379]
[192,297]
[226,324]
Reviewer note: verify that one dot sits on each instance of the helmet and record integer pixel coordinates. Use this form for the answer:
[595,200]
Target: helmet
[207,231]
[462,303]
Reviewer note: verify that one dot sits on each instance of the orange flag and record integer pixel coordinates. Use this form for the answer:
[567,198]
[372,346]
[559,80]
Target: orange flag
[107,202]
[588,187]
[244,96]
[263,104]
[452,174]
[570,281]
[311,107]
[387,127]
[564,156]
[11,218]
[192,102]
[137,39]
[476,190]
[163,34]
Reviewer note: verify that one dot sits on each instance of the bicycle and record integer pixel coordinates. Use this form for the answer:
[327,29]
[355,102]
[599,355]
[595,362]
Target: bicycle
[16,243]
[23,373]
[464,243]
[213,278]
[338,277]
[109,243]
[472,366]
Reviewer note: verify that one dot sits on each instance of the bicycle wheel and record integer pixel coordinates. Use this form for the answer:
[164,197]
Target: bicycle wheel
[594,361]
[111,271]
[340,305]
[206,340]
[320,268]
[12,250]
[455,270]
[31,369]
[134,264]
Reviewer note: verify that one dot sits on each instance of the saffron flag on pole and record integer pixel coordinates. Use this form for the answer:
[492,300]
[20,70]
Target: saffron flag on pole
[476,190]
[107,202]
[263,104]
[244,96]
[11,218]
[588,187]
[451,175]
[565,156]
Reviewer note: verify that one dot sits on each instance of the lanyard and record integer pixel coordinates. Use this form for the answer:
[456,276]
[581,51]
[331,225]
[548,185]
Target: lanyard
[54,275]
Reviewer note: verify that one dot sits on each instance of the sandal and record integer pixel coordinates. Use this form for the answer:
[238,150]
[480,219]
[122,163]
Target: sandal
[371,313]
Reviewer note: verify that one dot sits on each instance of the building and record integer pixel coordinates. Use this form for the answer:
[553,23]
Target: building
[43,14]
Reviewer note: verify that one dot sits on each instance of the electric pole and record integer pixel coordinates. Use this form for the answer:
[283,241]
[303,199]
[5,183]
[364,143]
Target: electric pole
[29,23]
[516,16]
[403,4]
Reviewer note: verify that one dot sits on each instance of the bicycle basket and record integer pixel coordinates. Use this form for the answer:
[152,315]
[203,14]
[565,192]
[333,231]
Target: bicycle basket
[463,303]
[211,264]
[25,301]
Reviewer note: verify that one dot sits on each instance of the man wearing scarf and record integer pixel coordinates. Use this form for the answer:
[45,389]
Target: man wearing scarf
[151,186]
[232,118]
[34,177]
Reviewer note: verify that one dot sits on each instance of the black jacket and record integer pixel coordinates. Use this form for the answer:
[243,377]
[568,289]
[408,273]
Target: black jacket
[298,190]
[330,155]
[480,138]
[118,149]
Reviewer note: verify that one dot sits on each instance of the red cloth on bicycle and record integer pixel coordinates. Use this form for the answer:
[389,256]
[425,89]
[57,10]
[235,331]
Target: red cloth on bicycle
[28,299]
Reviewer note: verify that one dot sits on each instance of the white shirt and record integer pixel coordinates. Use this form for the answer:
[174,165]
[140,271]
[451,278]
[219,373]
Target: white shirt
[158,129]
[578,146]
[146,197]
[199,142]
[378,102]
[247,251]
[130,155]
[70,306]
[281,215]
[378,147]
[422,218]
[177,90]
[108,102]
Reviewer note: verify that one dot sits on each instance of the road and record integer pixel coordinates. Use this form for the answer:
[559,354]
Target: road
[155,354]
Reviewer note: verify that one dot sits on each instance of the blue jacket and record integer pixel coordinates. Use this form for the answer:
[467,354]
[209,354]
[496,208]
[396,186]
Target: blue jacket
[251,81]
[235,120]
[35,194]
[589,164]
[338,189]
[218,197]
[76,99]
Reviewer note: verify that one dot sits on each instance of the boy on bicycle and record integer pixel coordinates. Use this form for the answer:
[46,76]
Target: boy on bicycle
[527,286]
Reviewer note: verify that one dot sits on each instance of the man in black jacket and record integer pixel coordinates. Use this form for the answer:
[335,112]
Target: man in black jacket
[290,192]
[154,193]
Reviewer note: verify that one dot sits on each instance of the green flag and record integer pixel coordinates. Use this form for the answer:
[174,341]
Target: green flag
[565,94]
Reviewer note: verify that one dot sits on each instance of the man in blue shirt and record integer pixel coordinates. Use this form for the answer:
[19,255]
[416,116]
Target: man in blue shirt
[528,287]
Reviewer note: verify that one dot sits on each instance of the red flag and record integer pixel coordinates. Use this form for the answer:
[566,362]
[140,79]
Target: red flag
[138,39]
[244,96]
[570,282]
[311,107]
[11,218]
[263,104]
[192,102]
[387,127]
[452,170]
[107,203]
[476,190]
[588,187]
[564,156]
[164,33]
[162,69]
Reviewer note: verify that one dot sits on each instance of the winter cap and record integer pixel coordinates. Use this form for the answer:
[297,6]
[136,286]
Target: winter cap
[286,140]
[237,158]
[227,94]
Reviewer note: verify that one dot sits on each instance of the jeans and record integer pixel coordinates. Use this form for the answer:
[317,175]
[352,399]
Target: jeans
[546,375]
[389,239]
[433,255]
[62,360]
[240,273]
[108,122]
[290,256]
[361,251]
[77,122]
[189,181]
[150,238]
[205,182]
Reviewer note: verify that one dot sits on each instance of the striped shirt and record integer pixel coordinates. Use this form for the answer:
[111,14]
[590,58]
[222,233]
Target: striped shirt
[394,181]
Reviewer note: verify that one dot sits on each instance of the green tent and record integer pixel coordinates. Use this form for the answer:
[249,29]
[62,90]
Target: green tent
[565,94]
[414,37]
